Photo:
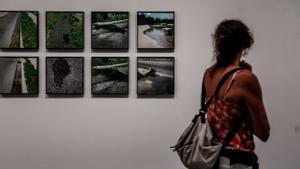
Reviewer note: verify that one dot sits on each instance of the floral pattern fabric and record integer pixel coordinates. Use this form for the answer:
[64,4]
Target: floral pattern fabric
[222,116]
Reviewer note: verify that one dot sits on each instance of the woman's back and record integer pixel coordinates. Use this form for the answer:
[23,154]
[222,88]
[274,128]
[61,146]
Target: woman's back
[227,112]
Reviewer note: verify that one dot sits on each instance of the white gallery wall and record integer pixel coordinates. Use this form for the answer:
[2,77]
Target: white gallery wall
[135,133]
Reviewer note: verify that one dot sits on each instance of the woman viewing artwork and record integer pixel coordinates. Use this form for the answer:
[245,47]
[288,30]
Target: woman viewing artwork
[239,104]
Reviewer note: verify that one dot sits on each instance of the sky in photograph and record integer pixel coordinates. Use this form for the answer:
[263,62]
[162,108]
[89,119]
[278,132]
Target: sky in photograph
[163,15]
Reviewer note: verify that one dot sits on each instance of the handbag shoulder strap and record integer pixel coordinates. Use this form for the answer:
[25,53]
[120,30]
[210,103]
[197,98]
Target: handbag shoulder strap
[204,105]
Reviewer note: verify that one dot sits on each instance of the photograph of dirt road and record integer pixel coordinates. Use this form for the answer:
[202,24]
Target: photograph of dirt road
[155,76]
[19,75]
[19,29]
[155,30]
[65,30]
[110,30]
[110,75]
[64,75]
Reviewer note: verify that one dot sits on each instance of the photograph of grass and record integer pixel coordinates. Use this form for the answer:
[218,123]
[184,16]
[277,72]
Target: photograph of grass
[155,76]
[19,75]
[155,30]
[19,29]
[110,75]
[110,30]
[65,30]
[64,75]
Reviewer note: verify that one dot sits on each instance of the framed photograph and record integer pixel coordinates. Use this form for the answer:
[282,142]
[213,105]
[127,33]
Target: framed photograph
[19,29]
[19,75]
[109,75]
[155,76]
[64,30]
[155,30]
[64,75]
[110,30]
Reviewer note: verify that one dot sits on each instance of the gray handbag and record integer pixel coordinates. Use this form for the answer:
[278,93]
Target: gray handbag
[197,147]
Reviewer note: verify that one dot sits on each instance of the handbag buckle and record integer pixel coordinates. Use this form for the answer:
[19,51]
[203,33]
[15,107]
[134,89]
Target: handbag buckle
[202,115]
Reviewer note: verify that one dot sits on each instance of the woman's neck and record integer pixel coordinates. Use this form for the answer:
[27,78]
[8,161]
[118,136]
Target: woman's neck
[234,63]
[237,60]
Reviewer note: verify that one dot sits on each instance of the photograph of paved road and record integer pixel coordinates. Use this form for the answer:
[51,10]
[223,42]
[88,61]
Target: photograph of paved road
[64,75]
[110,75]
[18,75]
[155,76]
[110,30]
[64,30]
[155,30]
[18,30]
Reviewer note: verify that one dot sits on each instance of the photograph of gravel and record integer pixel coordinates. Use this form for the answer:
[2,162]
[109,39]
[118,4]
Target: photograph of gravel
[155,76]
[19,75]
[64,75]
[155,30]
[19,29]
[64,30]
[110,75]
[110,30]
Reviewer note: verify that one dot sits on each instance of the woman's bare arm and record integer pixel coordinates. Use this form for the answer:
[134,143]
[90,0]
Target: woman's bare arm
[250,91]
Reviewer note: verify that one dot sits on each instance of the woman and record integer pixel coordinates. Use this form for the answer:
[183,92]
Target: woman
[239,103]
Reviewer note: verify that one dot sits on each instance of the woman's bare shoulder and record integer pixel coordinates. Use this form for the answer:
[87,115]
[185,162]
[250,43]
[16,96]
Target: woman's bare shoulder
[209,71]
[247,77]
[247,80]
[211,68]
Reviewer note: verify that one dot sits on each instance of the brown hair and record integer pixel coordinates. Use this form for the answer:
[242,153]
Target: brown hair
[230,38]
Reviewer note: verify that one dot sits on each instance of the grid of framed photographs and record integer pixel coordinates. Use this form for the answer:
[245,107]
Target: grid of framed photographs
[64,32]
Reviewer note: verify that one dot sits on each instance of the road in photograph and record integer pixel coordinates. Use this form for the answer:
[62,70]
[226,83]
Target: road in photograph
[60,36]
[8,25]
[144,40]
[17,86]
[64,30]
[18,29]
[7,74]
[155,30]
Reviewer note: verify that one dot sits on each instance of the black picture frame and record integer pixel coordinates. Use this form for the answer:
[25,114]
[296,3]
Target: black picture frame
[155,79]
[109,47]
[75,85]
[114,77]
[167,28]
[30,76]
[30,39]
[65,37]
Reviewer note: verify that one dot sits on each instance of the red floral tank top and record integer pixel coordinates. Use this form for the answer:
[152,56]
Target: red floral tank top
[222,116]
